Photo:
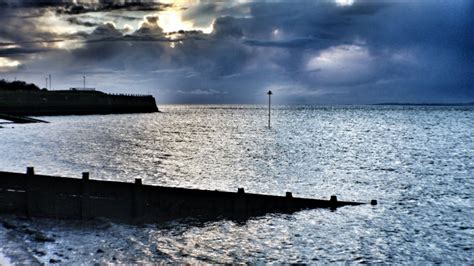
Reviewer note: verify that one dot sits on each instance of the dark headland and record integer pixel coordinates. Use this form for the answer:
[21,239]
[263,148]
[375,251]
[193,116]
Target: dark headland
[23,99]
[427,104]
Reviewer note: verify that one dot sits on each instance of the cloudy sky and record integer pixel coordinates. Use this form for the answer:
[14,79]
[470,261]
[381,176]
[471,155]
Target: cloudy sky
[333,51]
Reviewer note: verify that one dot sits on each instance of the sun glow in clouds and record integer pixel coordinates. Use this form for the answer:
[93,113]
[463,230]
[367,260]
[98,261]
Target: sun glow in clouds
[344,2]
[172,21]
[69,44]
[8,64]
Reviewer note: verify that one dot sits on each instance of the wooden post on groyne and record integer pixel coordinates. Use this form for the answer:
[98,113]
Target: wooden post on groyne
[35,195]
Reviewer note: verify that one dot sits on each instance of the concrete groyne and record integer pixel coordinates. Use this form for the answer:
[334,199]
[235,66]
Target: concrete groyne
[32,195]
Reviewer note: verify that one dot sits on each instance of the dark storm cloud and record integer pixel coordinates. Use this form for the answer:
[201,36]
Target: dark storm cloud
[305,21]
[80,22]
[10,52]
[149,31]
[106,6]
[291,43]
[215,54]
[150,27]
[31,3]
[307,51]
[80,7]
[28,42]
[207,11]
[227,27]
[403,40]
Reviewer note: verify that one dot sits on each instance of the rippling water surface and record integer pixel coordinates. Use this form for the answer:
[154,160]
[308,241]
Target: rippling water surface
[418,162]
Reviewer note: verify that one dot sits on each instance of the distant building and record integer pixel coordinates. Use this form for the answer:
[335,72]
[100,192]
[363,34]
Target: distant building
[82,89]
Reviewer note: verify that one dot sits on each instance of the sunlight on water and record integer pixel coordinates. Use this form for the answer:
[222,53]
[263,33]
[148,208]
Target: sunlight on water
[416,161]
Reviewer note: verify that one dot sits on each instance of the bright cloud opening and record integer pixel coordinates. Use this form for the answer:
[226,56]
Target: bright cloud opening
[172,21]
[345,2]
[339,57]
[343,63]
[8,64]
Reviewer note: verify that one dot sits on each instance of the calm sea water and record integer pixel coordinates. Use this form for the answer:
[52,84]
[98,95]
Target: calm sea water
[418,162]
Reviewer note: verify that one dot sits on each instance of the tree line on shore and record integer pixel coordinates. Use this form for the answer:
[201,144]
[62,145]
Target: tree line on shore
[17,86]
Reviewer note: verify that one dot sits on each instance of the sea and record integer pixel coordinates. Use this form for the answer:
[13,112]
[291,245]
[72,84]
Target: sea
[416,161]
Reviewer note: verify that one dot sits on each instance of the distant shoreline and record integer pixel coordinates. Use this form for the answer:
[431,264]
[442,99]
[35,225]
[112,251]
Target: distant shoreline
[427,104]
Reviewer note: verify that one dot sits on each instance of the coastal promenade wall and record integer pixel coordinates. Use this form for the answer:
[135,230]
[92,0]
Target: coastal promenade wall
[39,103]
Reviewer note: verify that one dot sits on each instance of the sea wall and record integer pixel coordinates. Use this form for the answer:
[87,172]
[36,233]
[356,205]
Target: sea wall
[39,103]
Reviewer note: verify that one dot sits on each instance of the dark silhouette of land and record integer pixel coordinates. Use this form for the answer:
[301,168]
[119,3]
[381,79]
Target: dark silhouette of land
[17,86]
[428,104]
[19,98]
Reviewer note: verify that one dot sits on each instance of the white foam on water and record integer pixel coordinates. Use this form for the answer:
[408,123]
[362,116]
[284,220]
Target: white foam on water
[4,261]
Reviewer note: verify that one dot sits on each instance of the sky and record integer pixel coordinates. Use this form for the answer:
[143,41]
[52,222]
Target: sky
[306,52]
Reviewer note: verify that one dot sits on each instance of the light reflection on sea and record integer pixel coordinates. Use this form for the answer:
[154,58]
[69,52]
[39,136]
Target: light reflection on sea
[416,161]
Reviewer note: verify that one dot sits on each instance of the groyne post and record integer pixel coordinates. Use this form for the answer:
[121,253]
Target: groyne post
[240,204]
[30,172]
[288,200]
[85,196]
[333,202]
[137,200]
